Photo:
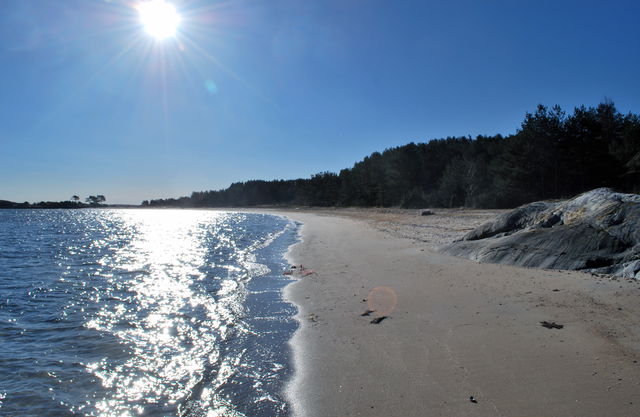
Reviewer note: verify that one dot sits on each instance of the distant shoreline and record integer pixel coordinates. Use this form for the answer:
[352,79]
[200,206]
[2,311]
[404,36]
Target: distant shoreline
[10,205]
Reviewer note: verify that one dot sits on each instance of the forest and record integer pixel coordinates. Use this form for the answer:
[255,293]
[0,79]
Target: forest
[73,203]
[552,155]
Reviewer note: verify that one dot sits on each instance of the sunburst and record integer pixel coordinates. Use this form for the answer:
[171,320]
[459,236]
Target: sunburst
[159,18]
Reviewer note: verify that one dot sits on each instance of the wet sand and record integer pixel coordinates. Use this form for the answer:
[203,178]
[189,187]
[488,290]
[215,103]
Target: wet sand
[455,329]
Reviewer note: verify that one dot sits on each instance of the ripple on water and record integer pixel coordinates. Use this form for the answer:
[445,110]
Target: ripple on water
[160,312]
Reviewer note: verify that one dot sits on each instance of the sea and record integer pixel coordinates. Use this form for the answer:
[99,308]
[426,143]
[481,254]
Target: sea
[144,312]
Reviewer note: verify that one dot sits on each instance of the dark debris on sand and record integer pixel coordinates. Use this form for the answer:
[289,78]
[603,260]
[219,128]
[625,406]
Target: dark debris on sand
[551,325]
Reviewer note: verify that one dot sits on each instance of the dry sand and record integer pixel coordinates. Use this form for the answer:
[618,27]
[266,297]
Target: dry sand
[455,329]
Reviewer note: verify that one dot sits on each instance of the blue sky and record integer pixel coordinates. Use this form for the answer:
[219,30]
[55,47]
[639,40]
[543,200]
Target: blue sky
[257,89]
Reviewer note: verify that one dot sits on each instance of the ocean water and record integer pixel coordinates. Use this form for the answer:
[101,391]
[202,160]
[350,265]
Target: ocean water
[143,313]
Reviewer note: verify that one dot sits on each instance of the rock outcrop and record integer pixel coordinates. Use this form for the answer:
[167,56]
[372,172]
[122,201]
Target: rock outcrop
[598,231]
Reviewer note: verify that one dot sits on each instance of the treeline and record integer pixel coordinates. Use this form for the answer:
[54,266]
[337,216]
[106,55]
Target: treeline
[552,155]
[92,201]
[4,204]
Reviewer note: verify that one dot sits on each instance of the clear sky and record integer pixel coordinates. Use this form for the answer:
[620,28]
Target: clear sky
[90,103]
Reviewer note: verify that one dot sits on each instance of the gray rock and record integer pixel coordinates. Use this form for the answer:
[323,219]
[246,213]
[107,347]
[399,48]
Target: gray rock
[598,231]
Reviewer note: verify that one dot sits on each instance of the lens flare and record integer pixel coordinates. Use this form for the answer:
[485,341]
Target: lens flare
[211,87]
[382,300]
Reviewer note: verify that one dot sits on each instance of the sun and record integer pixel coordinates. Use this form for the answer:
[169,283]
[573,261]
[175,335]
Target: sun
[159,18]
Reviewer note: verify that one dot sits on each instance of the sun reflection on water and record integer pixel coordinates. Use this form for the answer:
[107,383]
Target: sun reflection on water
[169,326]
[114,312]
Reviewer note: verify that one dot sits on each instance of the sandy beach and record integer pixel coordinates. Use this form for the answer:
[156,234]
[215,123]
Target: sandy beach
[454,329]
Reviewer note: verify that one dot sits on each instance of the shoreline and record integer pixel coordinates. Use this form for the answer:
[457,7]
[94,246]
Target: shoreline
[459,329]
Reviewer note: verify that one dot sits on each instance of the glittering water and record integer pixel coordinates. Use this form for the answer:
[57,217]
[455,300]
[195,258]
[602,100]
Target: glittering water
[143,312]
